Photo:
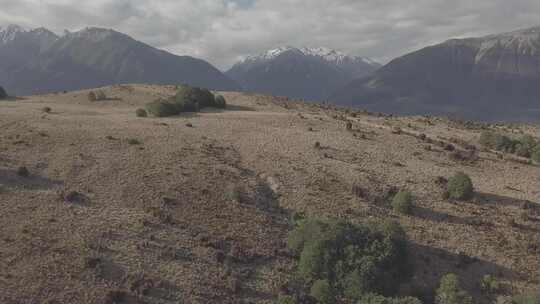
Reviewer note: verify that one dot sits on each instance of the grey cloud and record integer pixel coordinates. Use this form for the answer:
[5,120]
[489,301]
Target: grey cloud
[222,31]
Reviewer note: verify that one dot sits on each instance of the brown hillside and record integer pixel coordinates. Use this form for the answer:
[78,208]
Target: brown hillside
[200,214]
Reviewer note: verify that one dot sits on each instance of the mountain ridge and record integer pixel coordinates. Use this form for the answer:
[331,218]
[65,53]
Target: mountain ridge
[39,61]
[492,77]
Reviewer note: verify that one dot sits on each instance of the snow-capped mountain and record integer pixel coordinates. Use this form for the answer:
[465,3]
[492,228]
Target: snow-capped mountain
[38,61]
[306,73]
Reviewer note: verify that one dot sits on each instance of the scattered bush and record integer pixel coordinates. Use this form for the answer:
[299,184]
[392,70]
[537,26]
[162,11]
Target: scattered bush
[141,113]
[460,186]
[527,146]
[191,97]
[286,300]
[490,284]
[23,172]
[536,155]
[352,260]
[403,202]
[161,108]
[92,96]
[450,292]
[221,103]
[133,141]
[497,141]
[527,299]
[101,95]
[46,109]
[3,93]
[378,299]
[322,291]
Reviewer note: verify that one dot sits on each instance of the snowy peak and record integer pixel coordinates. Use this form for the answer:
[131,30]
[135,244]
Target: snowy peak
[14,32]
[326,54]
[10,32]
[93,34]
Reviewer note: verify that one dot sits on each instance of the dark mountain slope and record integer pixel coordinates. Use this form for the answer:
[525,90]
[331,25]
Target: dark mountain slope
[491,78]
[94,57]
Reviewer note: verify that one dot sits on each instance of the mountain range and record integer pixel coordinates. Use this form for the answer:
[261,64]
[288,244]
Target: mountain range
[38,60]
[495,77]
[305,73]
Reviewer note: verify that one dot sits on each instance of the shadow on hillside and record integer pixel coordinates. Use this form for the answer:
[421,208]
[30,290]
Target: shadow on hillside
[430,264]
[10,179]
[12,98]
[438,217]
[482,198]
[229,109]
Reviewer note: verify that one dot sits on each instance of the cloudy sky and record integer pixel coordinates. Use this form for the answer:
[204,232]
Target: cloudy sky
[223,31]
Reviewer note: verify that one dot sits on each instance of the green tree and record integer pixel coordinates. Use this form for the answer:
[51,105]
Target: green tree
[403,202]
[460,186]
[450,292]
[3,93]
[323,292]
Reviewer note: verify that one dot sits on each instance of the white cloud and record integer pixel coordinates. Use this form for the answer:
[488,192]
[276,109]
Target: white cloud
[222,31]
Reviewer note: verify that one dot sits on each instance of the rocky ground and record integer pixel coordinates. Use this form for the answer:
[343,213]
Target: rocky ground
[196,208]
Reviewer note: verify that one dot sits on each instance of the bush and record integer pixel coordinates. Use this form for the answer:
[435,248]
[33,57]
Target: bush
[449,291]
[193,99]
[3,93]
[92,96]
[141,113]
[101,95]
[527,299]
[523,151]
[403,202]
[46,109]
[460,186]
[354,259]
[286,300]
[161,108]
[322,291]
[133,141]
[489,284]
[23,172]
[378,299]
[220,101]
[535,155]
[497,141]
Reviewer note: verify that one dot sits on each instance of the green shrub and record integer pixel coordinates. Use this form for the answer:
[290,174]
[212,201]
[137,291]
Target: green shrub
[3,93]
[522,150]
[497,141]
[531,298]
[192,99]
[133,141]
[460,186]
[161,108]
[535,155]
[220,102]
[450,292]
[322,291]
[490,284]
[354,259]
[92,96]
[378,299]
[285,300]
[403,202]
[141,113]
[100,95]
